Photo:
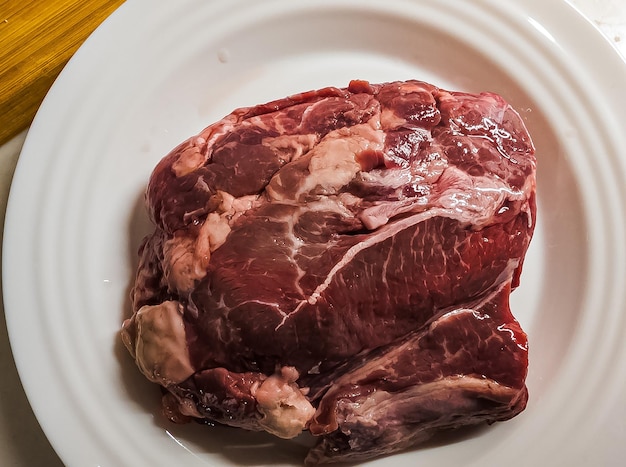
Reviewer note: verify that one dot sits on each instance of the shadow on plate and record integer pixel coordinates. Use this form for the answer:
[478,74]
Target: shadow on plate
[138,388]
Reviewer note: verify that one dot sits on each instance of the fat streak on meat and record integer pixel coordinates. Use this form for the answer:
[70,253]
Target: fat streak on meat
[340,261]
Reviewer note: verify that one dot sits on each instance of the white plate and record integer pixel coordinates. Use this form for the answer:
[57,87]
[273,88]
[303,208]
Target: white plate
[152,76]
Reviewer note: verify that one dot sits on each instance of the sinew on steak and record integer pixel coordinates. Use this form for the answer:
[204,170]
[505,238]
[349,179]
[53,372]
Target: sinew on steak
[340,261]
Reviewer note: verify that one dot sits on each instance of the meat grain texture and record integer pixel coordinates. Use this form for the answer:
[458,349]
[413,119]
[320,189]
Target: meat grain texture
[340,261]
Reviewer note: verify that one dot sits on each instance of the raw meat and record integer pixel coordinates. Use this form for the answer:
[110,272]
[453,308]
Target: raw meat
[340,261]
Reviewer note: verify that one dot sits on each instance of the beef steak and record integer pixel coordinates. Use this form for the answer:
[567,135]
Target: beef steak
[340,261]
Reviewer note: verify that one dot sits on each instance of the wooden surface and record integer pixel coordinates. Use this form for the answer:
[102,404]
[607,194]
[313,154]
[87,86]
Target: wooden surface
[37,38]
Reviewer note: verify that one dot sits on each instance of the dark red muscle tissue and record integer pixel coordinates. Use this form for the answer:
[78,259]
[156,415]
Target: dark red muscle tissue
[340,261]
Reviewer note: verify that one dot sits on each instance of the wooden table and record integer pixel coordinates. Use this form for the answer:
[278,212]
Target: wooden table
[37,38]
